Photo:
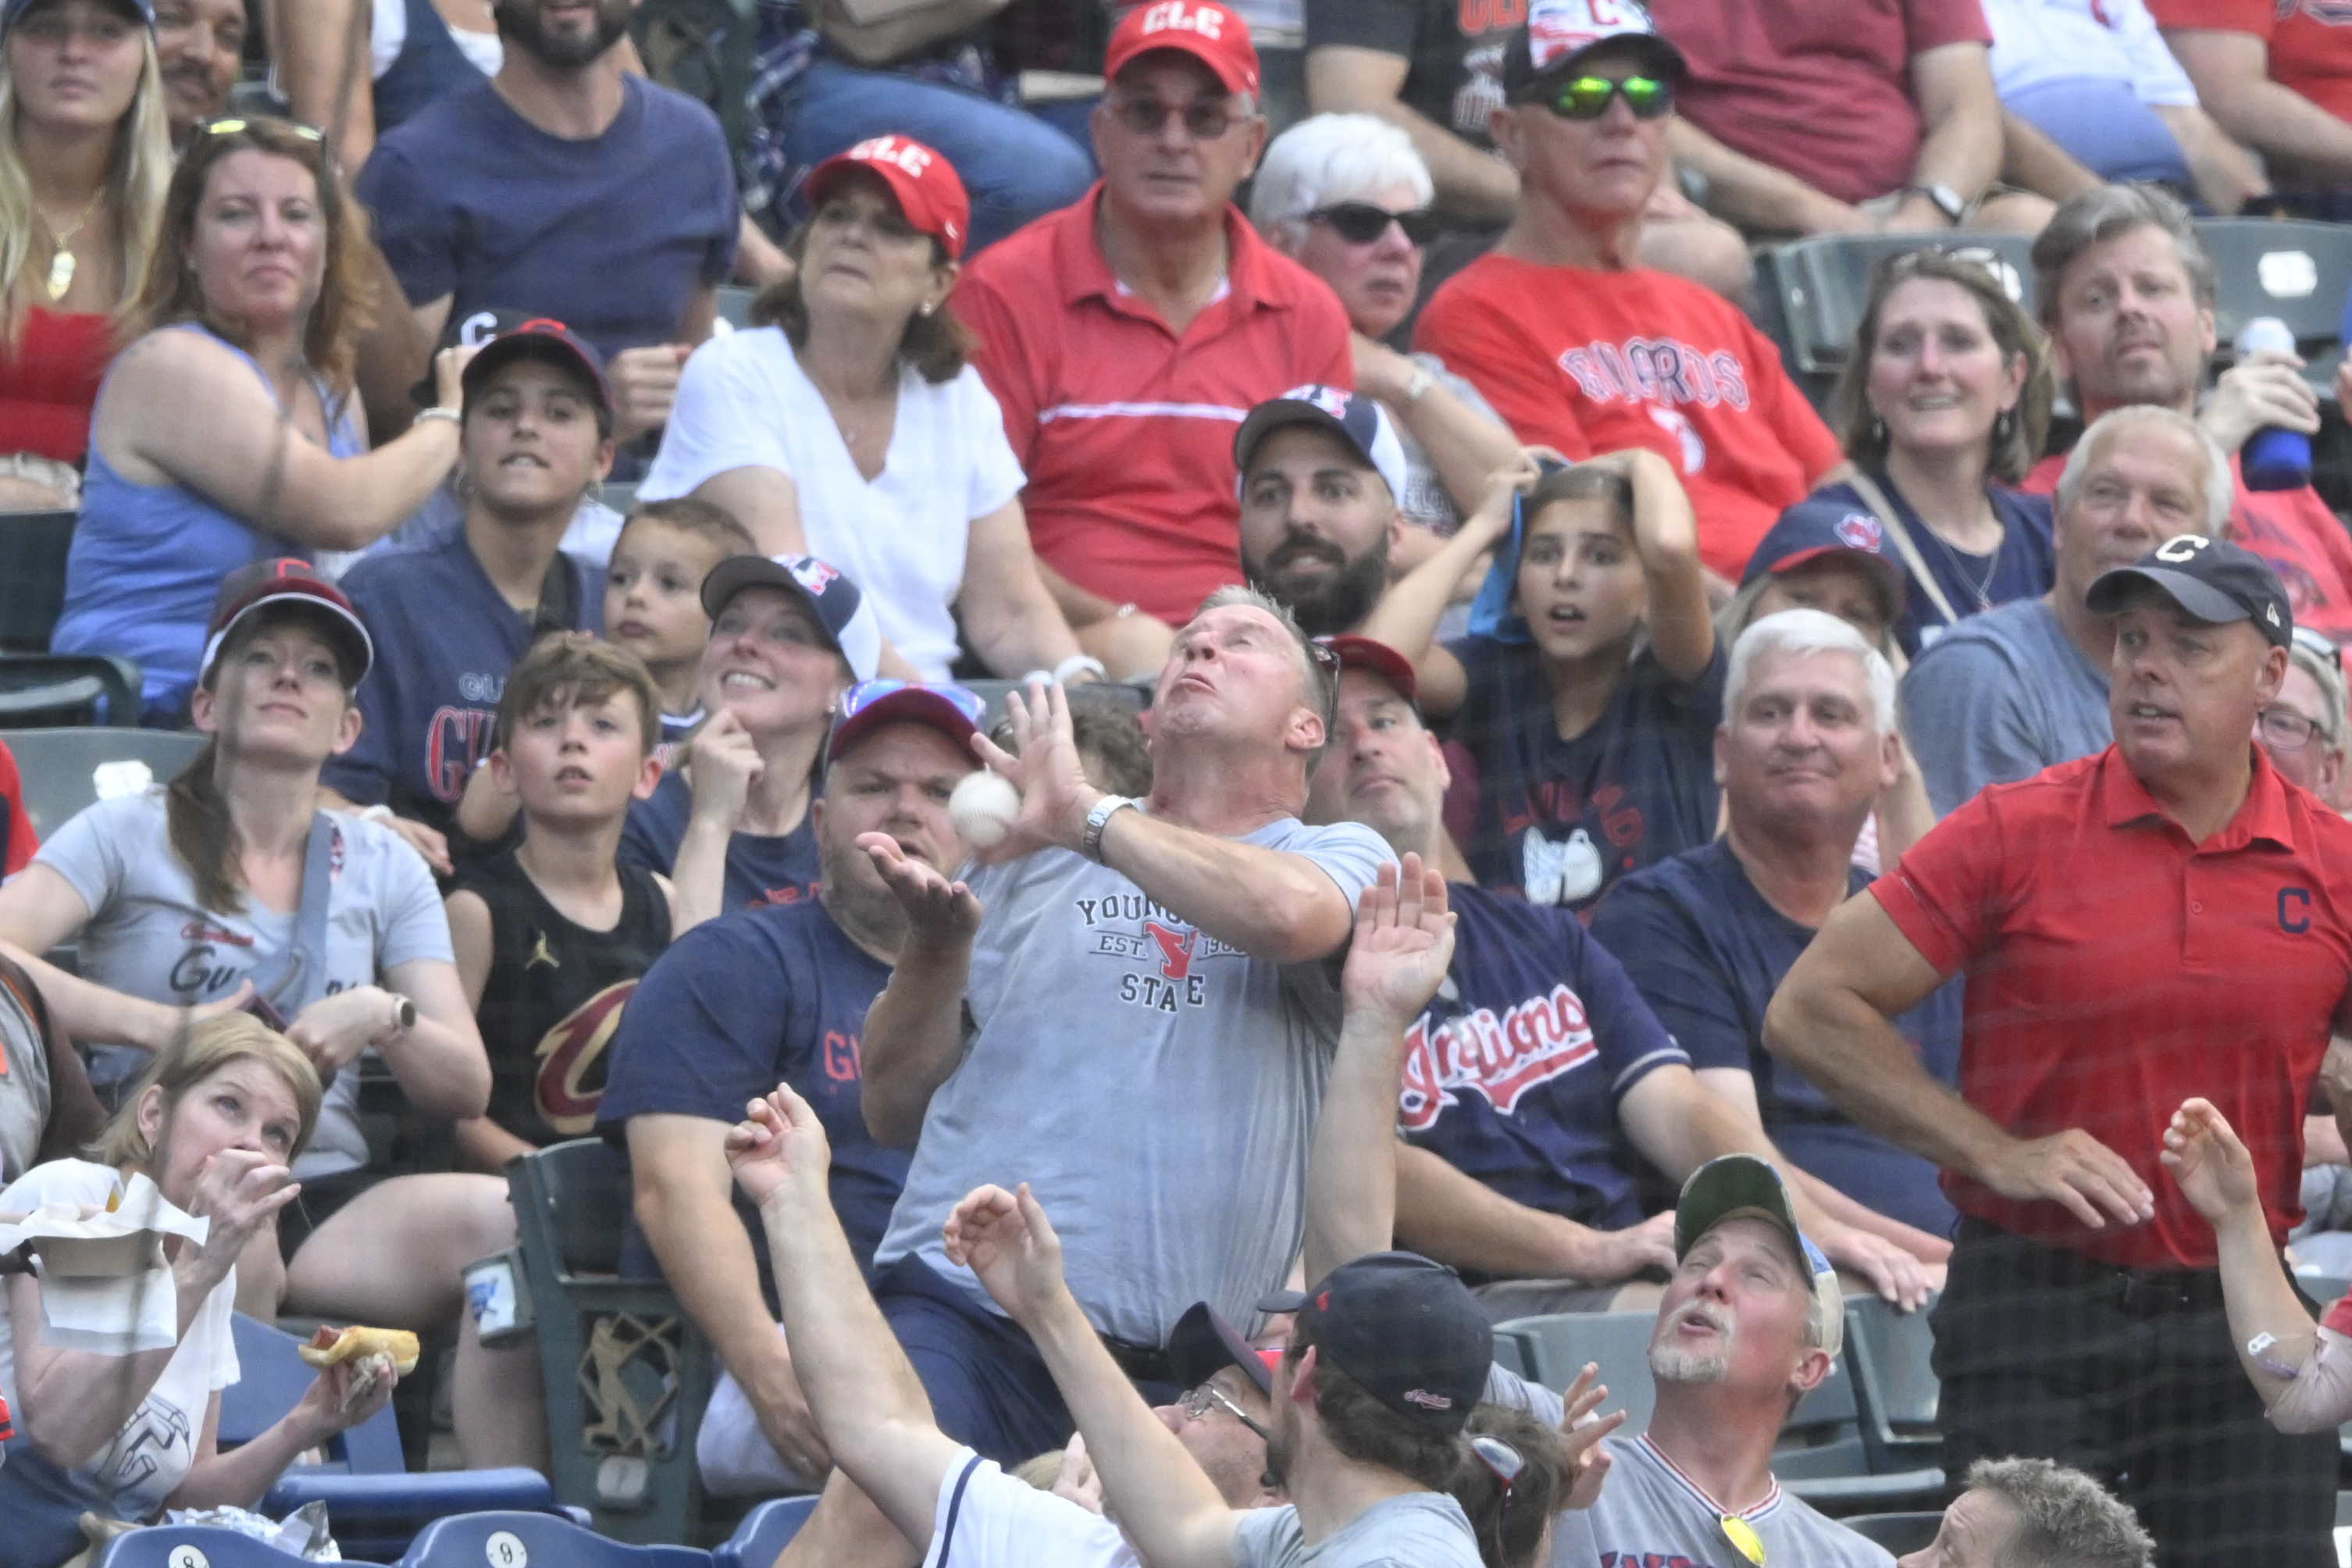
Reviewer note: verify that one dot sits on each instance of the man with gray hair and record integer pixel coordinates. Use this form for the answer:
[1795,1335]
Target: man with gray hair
[2033,1513]
[1807,744]
[2302,731]
[2007,693]
[2126,290]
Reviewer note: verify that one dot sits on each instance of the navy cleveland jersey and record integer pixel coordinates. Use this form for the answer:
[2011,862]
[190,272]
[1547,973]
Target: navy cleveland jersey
[1514,1072]
[1557,820]
[735,1006]
[761,870]
[445,638]
[1708,952]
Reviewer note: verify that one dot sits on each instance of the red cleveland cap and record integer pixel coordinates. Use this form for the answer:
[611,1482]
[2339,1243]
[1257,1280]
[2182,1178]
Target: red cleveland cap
[1363,653]
[930,191]
[283,579]
[1209,32]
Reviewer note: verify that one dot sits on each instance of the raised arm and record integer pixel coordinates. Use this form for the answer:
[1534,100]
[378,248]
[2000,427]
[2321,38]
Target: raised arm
[914,1031]
[1831,1021]
[1406,617]
[861,1389]
[1404,941]
[1167,1506]
[1464,444]
[1666,535]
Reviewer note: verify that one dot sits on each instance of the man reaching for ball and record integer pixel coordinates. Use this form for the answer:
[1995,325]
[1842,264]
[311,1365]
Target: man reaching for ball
[779,993]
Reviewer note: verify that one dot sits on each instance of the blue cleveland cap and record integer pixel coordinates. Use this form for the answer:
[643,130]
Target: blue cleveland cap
[839,608]
[2210,579]
[1813,531]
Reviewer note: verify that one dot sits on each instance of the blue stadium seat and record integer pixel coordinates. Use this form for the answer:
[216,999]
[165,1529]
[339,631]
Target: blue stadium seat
[766,1530]
[1888,1352]
[189,1546]
[32,547]
[534,1541]
[373,1504]
[44,688]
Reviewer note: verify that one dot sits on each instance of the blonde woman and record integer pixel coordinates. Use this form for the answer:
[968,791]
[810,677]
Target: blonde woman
[85,157]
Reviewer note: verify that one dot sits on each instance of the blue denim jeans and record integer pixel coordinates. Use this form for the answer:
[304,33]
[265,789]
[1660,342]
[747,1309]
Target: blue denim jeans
[1015,166]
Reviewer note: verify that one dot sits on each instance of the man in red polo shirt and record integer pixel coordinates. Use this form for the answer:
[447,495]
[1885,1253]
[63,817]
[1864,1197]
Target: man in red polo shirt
[1125,336]
[2166,919]
[1581,348]
[2276,75]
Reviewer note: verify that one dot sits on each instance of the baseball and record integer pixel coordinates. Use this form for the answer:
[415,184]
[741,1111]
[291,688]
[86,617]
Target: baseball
[982,807]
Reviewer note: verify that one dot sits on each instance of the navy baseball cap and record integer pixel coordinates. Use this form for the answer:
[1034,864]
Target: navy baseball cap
[839,608]
[1203,1345]
[1407,1329]
[1741,1186]
[952,711]
[504,336]
[1357,421]
[12,11]
[1806,533]
[1559,33]
[2210,579]
[287,579]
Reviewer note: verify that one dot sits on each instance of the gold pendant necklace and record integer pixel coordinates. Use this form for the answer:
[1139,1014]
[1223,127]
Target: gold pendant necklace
[61,261]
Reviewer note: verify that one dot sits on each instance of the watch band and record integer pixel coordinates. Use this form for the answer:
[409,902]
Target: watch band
[1090,840]
[404,1017]
[1947,201]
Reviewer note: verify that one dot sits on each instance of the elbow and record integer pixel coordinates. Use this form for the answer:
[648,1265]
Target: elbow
[893,1123]
[2295,1419]
[1784,1033]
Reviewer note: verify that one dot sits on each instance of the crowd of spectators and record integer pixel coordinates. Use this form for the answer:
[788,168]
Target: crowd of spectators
[1491,762]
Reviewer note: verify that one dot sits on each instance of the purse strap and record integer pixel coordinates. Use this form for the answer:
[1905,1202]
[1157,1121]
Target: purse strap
[1875,499]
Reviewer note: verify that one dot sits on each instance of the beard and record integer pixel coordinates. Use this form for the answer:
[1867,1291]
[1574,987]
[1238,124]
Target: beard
[1327,602]
[522,25]
[1672,1363]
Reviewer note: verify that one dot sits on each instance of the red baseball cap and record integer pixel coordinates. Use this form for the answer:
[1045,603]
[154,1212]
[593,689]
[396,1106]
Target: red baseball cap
[281,581]
[928,190]
[1210,33]
[1363,653]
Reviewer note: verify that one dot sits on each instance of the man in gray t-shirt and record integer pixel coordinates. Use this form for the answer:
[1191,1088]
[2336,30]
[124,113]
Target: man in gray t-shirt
[1131,1007]
[2005,694]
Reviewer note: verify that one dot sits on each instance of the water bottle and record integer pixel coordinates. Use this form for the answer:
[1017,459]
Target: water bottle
[2274,459]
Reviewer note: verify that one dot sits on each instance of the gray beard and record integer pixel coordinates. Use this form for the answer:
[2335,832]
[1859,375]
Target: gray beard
[1672,1364]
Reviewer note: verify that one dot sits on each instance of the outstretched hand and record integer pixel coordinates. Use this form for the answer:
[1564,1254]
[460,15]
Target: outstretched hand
[2208,1159]
[1580,1432]
[940,914]
[1045,768]
[1403,942]
[779,1141]
[1005,1239]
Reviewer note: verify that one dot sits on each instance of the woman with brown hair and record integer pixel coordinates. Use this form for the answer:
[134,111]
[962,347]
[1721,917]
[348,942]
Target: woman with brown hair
[1943,405]
[85,155]
[214,1124]
[848,425]
[229,431]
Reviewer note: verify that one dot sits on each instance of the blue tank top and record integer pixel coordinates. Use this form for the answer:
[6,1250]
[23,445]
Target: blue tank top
[147,561]
[429,64]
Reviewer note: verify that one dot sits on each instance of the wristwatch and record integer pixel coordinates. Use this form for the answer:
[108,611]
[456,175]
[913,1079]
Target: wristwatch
[1090,840]
[403,1018]
[1947,201]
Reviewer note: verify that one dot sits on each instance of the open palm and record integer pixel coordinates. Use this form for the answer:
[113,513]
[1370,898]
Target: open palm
[1404,941]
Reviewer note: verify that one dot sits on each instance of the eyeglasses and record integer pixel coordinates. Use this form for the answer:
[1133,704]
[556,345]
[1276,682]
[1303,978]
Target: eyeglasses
[1743,1535]
[866,693]
[1500,1457]
[231,127]
[2287,729]
[1197,1404]
[1205,118]
[1588,97]
[1361,223]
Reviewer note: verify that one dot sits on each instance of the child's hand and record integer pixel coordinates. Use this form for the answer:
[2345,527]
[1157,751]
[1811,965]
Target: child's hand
[2206,1157]
[1512,480]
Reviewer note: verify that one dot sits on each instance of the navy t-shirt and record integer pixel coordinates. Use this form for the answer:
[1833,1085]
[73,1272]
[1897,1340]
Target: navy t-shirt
[1557,821]
[761,870]
[610,234]
[1708,952]
[2023,568]
[1515,1071]
[444,639]
[736,1006]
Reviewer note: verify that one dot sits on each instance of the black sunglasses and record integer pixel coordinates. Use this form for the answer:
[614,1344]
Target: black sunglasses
[1205,118]
[1588,97]
[1361,223]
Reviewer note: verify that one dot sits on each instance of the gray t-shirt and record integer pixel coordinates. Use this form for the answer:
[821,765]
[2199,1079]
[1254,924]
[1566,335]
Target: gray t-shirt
[1412,1530]
[1650,1511]
[1156,1088]
[148,937]
[1999,698]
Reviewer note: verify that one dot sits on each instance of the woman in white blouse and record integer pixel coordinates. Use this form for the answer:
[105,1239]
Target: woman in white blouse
[846,425]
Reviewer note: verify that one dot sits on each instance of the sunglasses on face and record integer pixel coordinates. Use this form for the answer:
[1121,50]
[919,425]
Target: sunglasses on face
[1361,223]
[1588,97]
[1205,118]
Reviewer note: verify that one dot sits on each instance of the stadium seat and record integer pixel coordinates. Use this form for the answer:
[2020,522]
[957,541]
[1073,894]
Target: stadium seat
[765,1530]
[32,547]
[1895,1387]
[628,1373]
[39,690]
[58,767]
[1554,1350]
[1901,1534]
[1820,284]
[534,1541]
[375,1505]
[2278,266]
[189,1546]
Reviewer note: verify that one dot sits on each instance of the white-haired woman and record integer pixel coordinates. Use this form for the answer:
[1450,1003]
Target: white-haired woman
[1346,197]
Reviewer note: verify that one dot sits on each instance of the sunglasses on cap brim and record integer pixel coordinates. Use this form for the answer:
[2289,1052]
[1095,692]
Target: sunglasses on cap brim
[866,693]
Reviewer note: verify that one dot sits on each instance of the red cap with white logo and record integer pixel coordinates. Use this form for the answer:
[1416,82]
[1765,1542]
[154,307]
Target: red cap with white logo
[926,184]
[1210,33]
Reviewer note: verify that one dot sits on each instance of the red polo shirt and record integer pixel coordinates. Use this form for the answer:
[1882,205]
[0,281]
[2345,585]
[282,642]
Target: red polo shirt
[1126,427]
[2115,969]
[2310,40]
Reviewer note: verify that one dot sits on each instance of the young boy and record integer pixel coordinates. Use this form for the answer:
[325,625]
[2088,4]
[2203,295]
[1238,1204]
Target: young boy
[553,935]
[653,598]
[1593,685]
